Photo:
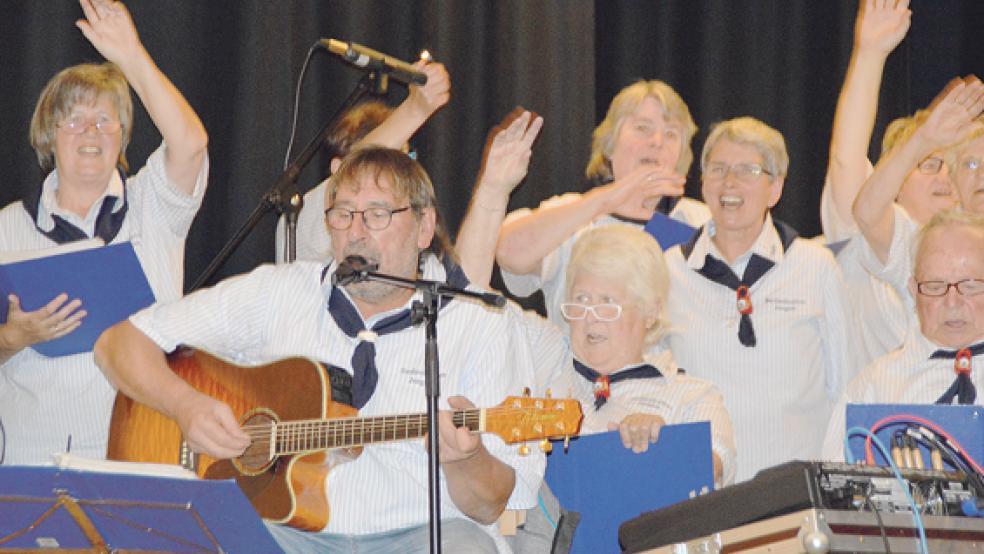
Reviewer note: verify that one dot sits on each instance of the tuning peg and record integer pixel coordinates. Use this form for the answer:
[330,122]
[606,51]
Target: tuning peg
[567,442]
[526,392]
[546,446]
[547,394]
[524,450]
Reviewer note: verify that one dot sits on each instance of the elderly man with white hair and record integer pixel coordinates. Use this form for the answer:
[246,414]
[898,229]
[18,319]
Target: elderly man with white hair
[756,310]
[936,362]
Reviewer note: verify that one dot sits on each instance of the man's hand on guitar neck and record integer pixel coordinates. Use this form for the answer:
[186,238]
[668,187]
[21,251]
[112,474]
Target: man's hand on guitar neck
[478,482]
[209,426]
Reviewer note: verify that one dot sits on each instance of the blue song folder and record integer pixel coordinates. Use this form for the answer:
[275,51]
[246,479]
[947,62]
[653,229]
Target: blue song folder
[668,231]
[108,280]
[609,484]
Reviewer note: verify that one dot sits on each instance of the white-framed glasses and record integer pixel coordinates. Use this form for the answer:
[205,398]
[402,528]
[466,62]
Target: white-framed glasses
[746,173]
[79,125]
[601,312]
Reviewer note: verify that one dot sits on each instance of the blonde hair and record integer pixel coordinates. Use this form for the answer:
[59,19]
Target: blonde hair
[79,84]
[622,106]
[946,218]
[627,255]
[749,131]
[900,130]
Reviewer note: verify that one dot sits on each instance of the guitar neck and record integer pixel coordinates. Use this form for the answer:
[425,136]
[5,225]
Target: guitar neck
[293,437]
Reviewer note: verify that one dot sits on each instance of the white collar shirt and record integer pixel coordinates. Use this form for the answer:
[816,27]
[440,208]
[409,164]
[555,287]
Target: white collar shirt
[779,392]
[47,403]
[907,375]
[276,312]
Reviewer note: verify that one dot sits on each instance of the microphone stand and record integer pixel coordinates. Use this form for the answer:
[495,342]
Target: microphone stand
[426,311]
[284,196]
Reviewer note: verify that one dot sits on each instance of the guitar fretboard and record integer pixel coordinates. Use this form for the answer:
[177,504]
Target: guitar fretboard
[294,437]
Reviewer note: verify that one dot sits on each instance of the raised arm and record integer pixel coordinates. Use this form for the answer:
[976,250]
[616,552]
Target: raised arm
[880,26]
[951,117]
[526,240]
[108,26]
[504,165]
[421,103]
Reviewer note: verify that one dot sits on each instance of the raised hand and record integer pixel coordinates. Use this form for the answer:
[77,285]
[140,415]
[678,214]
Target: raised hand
[110,29]
[953,113]
[882,24]
[427,99]
[637,194]
[55,320]
[508,150]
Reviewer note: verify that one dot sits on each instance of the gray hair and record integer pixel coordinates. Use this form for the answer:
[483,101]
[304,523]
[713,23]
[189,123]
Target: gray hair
[767,141]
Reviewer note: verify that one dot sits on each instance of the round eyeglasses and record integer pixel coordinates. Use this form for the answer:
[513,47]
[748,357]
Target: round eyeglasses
[375,219]
[966,287]
[601,312]
[79,125]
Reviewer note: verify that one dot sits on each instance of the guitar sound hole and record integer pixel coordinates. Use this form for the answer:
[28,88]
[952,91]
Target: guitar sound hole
[257,458]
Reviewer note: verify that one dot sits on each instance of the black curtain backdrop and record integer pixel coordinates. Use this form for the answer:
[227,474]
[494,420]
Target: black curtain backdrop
[237,62]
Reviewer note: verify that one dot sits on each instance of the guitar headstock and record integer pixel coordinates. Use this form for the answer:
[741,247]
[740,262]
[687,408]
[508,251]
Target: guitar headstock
[522,418]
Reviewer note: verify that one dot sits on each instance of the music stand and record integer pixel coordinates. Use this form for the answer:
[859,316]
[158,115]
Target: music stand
[47,509]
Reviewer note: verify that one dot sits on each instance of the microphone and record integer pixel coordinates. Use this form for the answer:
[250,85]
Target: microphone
[361,56]
[353,269]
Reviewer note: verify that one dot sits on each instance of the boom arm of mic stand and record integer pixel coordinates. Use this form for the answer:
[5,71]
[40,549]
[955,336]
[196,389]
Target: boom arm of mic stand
[281,192]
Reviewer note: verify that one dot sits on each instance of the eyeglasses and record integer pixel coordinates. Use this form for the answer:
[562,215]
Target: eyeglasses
[746,173]
[79,125]
[930,166]
[966,287]
[375,219]
[601,312]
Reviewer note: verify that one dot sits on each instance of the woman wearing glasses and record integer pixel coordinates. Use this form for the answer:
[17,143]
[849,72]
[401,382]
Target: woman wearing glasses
[80,129]
[640,155]
[756,310]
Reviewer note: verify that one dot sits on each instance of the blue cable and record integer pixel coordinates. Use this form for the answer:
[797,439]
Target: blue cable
[543,508]
[898,476]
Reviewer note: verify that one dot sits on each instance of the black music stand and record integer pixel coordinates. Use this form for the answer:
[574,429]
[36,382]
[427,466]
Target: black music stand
[47,509]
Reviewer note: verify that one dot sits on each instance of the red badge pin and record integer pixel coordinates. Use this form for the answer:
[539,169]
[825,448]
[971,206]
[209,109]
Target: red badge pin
[602,387]
[744,302]
[962,363]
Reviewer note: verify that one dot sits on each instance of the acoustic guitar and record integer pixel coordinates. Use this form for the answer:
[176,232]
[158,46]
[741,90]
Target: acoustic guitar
[299,433]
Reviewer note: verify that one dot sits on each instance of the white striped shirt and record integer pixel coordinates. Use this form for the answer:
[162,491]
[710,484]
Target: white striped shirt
[553,268]
[885,316]
[275,312]
[44,401]
[905,376]
[676,397]
[312,241]
[781,391]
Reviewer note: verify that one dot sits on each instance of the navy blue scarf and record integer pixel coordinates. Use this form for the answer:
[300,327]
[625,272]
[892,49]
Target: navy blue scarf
[603,383]
[719,272]
[962,387]
[365,375]
[108,223]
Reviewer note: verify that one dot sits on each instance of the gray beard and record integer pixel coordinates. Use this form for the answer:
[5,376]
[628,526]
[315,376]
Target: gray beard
[373,292]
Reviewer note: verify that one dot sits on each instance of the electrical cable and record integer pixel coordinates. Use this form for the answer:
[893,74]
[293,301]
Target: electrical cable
[916,516]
